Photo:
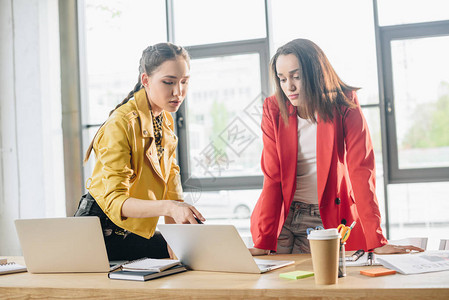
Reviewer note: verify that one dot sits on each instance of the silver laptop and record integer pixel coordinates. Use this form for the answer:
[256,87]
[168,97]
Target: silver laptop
[214,248]
[59,245]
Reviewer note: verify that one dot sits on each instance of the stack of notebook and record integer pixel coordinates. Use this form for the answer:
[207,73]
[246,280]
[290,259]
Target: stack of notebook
[10,267]
[146,269]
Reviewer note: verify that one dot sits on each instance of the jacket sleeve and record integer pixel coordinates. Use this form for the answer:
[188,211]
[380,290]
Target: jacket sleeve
[174,186]
[114,153]
[174,191]
[266,214]
[362,173]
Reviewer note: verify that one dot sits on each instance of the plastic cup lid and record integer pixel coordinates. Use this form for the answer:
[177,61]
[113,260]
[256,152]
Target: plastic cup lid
[325,234]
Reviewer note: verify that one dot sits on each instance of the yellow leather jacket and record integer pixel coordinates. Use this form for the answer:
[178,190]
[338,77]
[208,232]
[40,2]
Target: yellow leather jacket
[127,164]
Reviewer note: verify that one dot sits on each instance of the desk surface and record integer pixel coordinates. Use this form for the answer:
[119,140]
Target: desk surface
[206,285]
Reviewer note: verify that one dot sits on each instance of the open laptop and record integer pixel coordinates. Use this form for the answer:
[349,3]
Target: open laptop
[214,248]
[59,245]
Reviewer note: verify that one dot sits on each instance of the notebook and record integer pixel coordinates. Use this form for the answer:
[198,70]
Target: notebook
[60,245]
[214,248]
[364,261]
[145,275]
[150,264]
[10,267]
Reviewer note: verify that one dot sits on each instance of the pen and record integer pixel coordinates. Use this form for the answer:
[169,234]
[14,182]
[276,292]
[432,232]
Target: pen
[112,269]
[370,258]
[352,225]
[357,254]
[117,266]
[198,220]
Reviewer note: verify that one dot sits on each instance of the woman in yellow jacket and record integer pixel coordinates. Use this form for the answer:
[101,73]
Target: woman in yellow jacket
[135,165]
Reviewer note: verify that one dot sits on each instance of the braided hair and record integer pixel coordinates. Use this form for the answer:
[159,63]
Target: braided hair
[152,58]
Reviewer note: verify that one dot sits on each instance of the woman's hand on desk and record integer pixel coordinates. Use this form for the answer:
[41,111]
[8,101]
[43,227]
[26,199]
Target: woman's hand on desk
[395,249]
[257,251]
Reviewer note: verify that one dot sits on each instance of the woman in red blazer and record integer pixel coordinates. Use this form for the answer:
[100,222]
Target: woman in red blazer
[333,163]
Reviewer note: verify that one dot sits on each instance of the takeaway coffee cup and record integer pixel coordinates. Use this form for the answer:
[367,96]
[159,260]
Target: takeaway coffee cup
[324,247]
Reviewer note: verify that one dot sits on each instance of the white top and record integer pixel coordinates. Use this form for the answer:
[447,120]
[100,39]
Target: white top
[306,181]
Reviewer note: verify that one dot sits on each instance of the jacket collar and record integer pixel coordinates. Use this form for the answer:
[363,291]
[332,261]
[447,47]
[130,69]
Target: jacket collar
[143,108]
[324,151]
[288,136]
[169,140]
[146,118]
[288,150]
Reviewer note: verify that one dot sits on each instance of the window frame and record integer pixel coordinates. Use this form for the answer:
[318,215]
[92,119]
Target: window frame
[259,46]
[387,34]
[384,35]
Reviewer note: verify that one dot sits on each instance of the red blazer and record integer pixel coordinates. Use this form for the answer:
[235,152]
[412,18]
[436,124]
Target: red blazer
[345,175]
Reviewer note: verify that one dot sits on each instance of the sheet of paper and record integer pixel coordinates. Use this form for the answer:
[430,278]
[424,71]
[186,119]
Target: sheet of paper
[416,263]
[151,264]
[12,268]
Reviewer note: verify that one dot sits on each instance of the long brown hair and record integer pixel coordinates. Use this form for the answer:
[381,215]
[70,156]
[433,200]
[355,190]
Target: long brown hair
[152,58]
[323,89]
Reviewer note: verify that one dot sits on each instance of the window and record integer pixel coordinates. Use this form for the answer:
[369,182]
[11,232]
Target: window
[226,142]
[415,109]
[417,101]
[422,122]
[219,124]
[200,22]
[226,207]
[347,38]
[230,42]
[228,84]
[114,37]
[405,11]
[219,134]
[419,210]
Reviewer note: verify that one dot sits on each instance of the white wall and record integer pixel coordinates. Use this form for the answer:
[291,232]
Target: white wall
[31,164]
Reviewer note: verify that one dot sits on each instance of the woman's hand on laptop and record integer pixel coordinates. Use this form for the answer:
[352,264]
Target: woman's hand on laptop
[184,213]
[257,251]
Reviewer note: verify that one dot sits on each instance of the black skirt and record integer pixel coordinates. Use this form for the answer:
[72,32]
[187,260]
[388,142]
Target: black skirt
[122,244]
